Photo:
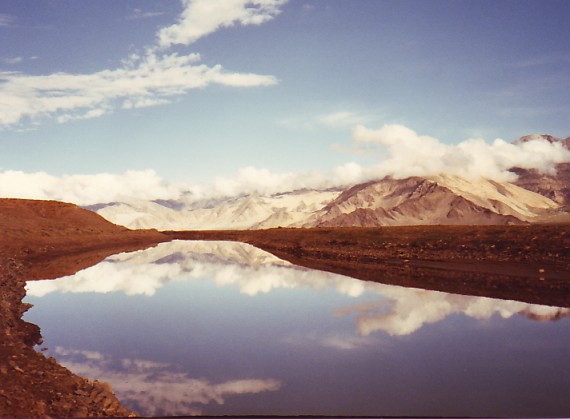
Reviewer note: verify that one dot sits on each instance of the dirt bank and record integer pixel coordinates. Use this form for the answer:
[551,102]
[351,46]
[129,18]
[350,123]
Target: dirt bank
[47,240]
[525,263]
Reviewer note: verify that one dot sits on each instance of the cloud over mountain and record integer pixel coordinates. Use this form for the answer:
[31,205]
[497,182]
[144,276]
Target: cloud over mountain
[410,154]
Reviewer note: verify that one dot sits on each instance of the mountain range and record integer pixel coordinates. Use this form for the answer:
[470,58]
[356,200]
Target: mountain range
[441,199]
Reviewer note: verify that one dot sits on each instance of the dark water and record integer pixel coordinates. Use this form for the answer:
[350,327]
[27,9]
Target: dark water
[224,328]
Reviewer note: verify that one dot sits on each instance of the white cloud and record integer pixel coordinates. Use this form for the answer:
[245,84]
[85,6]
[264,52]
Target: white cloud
[142,81]
[410,154]
[90,114]
[148,185]
[251,179]
[348,173]
[336,120]
[140,14]
[150,79]
[259,180]
[342,119]
[202,17]
[87,189]
[6,20]
[13,60]
[138,103]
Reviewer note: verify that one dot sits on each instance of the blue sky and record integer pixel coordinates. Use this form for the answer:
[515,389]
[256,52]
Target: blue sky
[115,86]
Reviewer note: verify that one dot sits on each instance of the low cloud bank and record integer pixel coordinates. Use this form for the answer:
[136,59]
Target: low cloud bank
[407,154]
[87,189]
[410,154]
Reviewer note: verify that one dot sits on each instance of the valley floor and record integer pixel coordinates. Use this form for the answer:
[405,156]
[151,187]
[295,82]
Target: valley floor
[47,240]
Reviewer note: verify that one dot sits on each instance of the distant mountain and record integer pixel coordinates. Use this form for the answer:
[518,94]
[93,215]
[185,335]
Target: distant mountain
[411,201]
[443,199]
[435,200]
[555,187]
[244,212]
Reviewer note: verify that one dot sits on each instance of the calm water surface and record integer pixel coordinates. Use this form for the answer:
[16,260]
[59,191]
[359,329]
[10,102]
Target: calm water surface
[224,328]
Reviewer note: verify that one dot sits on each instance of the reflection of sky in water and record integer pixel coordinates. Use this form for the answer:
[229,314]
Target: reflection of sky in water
[221,327]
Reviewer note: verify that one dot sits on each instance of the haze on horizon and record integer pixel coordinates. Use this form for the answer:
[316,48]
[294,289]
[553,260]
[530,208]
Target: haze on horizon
[110,99]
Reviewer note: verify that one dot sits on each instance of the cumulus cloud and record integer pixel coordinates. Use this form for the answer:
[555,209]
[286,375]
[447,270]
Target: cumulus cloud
[260,180]
[410,154]
[202,17]
[87,189]
[148,185]
[147,80]
[256,180]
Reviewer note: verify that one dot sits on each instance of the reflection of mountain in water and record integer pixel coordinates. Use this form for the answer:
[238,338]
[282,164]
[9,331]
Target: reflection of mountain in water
[394,310]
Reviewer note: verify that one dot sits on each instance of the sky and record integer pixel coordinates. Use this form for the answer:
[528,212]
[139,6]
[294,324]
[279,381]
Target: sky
[105,99]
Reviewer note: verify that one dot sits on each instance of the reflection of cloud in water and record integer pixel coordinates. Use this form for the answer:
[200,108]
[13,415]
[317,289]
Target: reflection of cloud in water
[151,388]
[409,310]
[339,341]
[399,311]
[252,270]
[109,276]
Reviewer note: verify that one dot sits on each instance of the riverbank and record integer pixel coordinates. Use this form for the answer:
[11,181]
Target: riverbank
[47,240]
[526,263]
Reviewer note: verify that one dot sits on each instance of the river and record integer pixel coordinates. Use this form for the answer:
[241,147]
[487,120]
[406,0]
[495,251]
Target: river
[223,328]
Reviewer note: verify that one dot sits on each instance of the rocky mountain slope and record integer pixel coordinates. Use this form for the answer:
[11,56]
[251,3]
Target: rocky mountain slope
[435,200]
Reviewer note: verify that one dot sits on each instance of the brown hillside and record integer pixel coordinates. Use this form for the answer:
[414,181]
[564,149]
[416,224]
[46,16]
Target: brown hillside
[42,239]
